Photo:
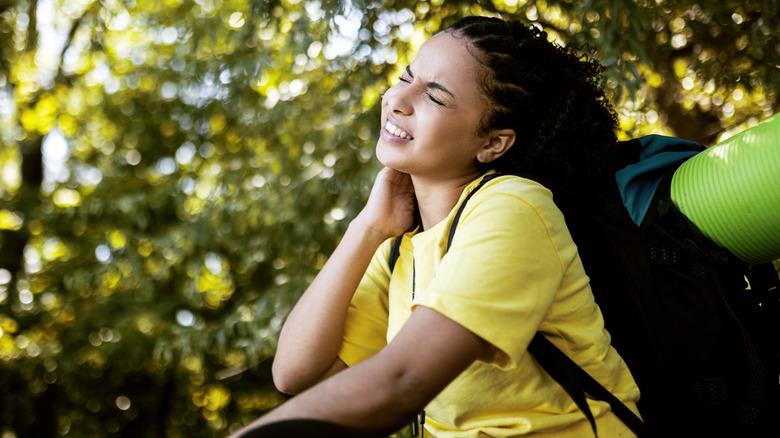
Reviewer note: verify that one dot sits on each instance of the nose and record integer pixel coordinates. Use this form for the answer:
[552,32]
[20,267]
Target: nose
[398,101]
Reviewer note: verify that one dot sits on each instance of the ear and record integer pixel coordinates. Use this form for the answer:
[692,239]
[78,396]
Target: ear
[498,142]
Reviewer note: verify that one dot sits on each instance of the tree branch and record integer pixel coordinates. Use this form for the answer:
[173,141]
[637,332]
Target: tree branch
[71,34]
[32,26]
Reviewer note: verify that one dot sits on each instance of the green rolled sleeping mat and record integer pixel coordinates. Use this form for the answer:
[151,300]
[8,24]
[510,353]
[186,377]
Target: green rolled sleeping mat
[731,192]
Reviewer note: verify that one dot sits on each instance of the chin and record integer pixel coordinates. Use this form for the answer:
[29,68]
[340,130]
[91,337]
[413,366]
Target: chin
[385,156]
[395,158]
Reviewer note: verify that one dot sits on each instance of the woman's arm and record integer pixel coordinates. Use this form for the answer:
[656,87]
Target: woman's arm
[386,391]
[311,337]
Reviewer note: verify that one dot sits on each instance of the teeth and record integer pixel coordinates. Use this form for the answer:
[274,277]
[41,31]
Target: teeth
[396,131]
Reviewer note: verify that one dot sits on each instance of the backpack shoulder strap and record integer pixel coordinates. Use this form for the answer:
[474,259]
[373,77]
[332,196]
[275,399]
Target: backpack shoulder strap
[577,382]
[395,252]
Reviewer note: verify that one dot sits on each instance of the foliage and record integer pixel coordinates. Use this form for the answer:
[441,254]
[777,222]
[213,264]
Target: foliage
[174,173]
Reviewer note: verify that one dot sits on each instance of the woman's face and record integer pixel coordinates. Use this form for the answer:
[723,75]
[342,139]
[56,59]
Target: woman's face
[431,117]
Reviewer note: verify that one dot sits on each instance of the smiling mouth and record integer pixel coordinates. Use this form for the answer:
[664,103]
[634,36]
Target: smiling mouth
[396,131]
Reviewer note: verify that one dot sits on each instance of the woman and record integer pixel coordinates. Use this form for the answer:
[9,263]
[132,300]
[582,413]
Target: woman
[447,329]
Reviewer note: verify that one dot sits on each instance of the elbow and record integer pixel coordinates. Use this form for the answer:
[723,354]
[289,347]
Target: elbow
[399,400]
[294,377]
[400,390]
[286,379]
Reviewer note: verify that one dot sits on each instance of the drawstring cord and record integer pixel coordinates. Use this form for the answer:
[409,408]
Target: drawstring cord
[418,425]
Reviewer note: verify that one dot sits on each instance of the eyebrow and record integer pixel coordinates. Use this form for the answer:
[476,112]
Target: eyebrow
[435,85]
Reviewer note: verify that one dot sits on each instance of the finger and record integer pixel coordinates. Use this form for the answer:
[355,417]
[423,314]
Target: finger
[393,175]
[401,179]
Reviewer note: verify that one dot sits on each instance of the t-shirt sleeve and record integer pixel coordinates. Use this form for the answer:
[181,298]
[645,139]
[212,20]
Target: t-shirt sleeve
[365,330]
[502,272]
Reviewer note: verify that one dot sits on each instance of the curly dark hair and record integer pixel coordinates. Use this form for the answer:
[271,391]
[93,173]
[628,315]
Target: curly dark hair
[551,96]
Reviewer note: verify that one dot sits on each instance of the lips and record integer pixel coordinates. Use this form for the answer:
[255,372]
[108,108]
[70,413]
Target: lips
[397,131]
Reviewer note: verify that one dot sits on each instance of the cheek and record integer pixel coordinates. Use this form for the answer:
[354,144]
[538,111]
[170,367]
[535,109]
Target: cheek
[457,129]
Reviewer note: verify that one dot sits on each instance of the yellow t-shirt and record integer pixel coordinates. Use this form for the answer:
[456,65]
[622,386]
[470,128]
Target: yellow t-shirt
[512,270]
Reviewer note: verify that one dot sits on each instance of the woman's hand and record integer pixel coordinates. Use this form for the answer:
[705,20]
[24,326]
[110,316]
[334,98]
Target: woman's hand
[391,205]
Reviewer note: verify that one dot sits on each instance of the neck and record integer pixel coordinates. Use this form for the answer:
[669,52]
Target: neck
[435,199]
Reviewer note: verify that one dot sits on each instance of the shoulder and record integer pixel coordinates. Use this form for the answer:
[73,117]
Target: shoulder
[515,186]
[510,192]
[520,207]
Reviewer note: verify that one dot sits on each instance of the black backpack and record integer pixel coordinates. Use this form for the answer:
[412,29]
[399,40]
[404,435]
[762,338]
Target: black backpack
[698,328]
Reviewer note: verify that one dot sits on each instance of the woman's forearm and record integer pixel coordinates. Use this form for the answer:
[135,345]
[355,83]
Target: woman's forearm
[365,396]
[312,335]
[385,391]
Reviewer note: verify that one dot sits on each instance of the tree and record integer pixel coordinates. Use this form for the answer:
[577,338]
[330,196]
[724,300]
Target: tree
[174,173]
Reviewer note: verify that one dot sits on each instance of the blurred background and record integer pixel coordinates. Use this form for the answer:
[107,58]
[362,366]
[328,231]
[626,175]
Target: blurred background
[175,172]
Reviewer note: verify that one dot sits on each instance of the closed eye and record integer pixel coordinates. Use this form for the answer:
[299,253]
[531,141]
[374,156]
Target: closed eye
[435,100]
[408,77]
